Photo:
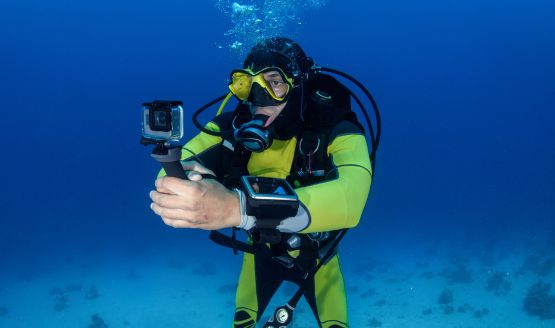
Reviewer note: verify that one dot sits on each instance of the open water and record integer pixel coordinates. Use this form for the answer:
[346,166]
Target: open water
[463,199]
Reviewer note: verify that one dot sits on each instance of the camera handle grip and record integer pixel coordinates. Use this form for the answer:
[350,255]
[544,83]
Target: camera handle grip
[169,158]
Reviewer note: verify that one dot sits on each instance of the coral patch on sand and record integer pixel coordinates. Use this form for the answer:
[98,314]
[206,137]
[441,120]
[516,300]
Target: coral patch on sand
[538,302]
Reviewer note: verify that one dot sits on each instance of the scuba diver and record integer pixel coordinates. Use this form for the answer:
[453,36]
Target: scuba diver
[293,124]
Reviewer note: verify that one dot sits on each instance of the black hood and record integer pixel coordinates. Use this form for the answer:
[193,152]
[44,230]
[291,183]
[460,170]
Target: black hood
[280,52]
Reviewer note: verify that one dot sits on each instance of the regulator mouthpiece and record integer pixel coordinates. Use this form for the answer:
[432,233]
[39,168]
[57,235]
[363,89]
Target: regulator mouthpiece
[253,136]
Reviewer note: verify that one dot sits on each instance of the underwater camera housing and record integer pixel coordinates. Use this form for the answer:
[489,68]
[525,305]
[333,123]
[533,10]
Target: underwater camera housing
[162,121]
[163,128]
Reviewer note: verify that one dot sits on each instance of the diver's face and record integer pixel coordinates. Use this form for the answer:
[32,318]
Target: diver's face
[275,81]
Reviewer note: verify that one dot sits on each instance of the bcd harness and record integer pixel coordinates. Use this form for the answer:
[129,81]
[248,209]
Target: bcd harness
[328,105]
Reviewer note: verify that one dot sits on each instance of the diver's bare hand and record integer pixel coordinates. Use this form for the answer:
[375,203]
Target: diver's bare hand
[195,203]
[195,169]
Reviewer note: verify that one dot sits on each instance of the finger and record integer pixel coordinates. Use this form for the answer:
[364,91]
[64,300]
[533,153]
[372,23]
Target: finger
[178,223]
[175,186]
[170,200]
[196,166]
[194,176]
[183,223]
[160,185]
[176,214]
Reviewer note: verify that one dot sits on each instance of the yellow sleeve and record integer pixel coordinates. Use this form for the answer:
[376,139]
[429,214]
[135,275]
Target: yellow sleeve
[198,144]
[337,204]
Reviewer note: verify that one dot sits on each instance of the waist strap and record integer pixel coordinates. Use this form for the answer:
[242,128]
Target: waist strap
[231,242]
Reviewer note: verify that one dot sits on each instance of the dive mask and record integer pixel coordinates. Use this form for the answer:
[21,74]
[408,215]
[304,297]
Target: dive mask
[267,87]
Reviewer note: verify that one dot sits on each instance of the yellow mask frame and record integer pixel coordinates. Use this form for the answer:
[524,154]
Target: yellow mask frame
[242,80]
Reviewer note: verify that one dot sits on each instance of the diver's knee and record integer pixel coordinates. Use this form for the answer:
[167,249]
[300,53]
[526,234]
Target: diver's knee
[243,319]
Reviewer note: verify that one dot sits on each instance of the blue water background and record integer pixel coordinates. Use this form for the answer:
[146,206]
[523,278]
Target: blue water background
[466,90]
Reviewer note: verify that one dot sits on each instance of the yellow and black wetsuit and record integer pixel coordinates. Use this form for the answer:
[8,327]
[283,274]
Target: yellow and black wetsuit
[334,202]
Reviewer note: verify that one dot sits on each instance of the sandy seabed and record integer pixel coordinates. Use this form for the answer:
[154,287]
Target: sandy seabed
[420,289]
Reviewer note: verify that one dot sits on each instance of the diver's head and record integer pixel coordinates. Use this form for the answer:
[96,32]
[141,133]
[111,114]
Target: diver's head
[271,83]
[271,70]
[283,53]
